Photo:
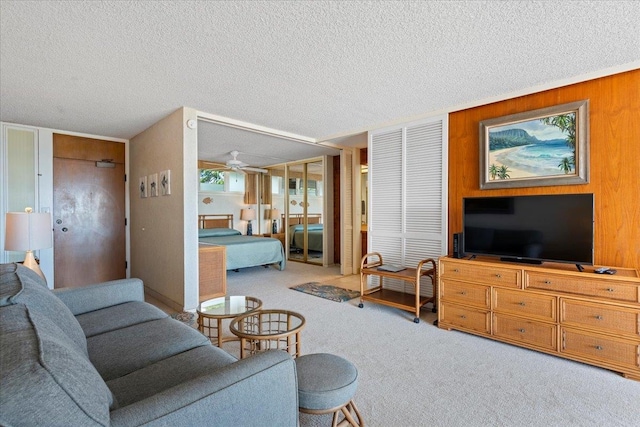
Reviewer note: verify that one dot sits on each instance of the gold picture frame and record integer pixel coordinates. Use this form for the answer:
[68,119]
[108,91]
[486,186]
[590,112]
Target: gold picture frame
[548,146]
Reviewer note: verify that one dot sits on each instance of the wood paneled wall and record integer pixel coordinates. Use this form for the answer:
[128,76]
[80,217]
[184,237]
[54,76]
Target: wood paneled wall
[614,160]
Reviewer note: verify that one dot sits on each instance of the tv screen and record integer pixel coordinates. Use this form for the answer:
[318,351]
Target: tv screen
[530,228]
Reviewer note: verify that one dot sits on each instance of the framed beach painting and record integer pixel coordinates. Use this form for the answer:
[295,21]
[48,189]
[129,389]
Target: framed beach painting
[549,146]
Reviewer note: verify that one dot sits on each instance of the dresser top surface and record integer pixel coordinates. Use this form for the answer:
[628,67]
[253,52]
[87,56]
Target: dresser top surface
[546,266]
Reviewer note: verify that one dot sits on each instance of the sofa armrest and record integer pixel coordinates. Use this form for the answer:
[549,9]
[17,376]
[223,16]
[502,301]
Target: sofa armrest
[101,295]
[261,390]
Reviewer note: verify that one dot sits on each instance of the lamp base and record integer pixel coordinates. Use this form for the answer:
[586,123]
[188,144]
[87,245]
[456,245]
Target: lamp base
[30,262]
[249,229]
[274,228]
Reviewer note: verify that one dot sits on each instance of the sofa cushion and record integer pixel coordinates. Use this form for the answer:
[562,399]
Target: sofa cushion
[120,352]
[23,286]
[83,299]
[168,373]
[118,317]
[256,391]
[46,379]
[9,286]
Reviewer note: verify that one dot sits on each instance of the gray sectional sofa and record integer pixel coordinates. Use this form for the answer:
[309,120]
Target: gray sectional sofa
[100,355]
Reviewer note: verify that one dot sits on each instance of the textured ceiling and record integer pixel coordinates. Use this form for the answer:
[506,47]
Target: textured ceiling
[321,69]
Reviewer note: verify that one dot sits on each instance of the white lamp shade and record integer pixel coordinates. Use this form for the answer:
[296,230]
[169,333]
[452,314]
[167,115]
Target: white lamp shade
[27,231]
[275,214]
[247,214]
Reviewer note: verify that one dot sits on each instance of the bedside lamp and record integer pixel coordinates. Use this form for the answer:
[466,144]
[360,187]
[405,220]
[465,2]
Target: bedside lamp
[274,214]
[248,215]
[28,231]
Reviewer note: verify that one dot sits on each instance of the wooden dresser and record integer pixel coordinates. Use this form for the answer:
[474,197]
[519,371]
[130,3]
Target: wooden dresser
[212,268]
[584,316]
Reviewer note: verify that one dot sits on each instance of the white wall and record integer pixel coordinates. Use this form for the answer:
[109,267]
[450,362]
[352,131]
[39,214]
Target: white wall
[164,243]
[231,203]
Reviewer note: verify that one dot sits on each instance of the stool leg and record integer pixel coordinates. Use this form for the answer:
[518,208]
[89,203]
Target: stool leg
[348,418]
[352,404]
[334,421]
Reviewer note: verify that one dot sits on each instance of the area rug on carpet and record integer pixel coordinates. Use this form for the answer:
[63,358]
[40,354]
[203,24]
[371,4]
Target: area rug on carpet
[329,292]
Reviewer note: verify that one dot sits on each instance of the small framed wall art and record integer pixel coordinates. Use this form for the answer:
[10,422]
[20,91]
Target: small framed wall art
[142,187]
[165,183]
[153,185]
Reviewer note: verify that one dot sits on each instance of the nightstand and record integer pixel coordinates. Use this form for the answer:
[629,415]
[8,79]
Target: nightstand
[279,236]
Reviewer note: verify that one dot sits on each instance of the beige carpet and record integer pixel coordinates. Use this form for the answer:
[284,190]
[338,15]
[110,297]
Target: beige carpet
[418,375]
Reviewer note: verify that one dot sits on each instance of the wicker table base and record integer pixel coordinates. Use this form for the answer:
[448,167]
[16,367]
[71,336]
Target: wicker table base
[211,313]
[268,329]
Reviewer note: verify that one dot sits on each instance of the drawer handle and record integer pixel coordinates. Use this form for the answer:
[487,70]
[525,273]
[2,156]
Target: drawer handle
[498,275]
[462,316]
[455,270]
[463,293]
[598,317]
[547,282]
[522,303]
[610,289]
[522,330]
[598,347]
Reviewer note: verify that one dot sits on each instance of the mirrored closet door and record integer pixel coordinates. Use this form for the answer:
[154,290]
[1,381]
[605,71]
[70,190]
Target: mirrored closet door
[305,221]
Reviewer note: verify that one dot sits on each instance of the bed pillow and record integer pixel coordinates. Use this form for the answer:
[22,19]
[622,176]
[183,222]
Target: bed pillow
[300,227]
[216,232]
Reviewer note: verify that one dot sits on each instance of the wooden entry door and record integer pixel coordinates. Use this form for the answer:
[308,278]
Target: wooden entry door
[88,211]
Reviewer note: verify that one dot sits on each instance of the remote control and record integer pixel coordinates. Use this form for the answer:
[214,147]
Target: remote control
[611,271]
[601,270]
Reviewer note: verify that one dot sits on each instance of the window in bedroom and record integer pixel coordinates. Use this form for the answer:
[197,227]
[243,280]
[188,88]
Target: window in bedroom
[277,185]
[217,181]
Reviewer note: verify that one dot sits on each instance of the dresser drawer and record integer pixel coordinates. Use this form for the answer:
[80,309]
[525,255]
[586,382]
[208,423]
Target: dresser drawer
[591,286]
[604,317]
[601,348]
[465,318]
[525,332]
[525,303]
[465,293]
[481,273]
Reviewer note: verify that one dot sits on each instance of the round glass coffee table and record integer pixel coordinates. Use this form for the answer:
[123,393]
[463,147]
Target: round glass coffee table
[212,312]
[268,329]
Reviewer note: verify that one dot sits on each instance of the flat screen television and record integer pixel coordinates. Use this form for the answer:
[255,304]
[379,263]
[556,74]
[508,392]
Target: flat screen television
[533,229]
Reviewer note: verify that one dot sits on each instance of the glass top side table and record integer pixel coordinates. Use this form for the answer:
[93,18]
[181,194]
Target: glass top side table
[268,329]
[212,312]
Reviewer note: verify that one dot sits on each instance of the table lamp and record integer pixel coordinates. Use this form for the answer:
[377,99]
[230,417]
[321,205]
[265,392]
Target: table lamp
[274,214]
[28,231]
[248,215]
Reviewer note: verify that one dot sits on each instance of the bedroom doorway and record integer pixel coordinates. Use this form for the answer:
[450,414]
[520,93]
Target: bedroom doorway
[305,217]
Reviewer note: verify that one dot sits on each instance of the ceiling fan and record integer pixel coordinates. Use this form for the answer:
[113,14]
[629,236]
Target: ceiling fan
[239,166]
[236,165]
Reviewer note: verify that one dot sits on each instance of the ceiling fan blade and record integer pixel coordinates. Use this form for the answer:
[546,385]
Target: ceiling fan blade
[249,168]
[205,164]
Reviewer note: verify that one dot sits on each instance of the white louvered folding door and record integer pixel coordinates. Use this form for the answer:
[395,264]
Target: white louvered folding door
[408,194]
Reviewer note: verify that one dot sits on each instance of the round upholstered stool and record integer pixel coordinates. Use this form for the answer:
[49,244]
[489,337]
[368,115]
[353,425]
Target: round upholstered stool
[326,384]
